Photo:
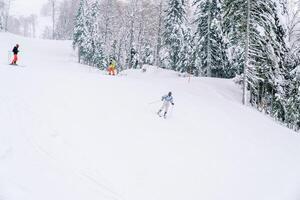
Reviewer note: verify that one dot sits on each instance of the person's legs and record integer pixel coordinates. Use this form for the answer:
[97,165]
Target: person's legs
[166,108]
[15,59]
[162,107]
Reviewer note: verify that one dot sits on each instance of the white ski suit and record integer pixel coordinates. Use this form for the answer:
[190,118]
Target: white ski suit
[167,101]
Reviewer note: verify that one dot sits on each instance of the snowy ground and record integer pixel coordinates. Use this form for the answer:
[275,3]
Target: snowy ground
[70,132]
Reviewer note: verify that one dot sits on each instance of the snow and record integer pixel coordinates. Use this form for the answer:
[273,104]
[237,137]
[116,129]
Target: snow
[68,131]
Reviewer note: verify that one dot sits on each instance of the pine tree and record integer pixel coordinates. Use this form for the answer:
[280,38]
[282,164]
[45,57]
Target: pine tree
[1,15]
[249,24]
[134,58]
[278,72]
[211,56]
[1,23]
[80,30]
[99,55]
[292,97]
[174,23]
[292,64]
[147,54]
[65,20]
[91,24]
[87,34]
[186,63]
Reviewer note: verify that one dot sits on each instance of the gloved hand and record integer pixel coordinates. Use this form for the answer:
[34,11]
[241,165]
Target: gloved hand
[172,104]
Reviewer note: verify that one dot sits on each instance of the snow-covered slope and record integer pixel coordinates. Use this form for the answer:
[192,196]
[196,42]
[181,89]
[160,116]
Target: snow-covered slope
[68,131]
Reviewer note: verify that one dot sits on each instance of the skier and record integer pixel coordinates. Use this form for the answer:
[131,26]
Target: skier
[167,100]
[15,51]
[112,67]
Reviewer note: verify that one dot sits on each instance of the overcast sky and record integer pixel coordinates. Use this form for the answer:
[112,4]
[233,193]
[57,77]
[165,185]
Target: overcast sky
[27,7]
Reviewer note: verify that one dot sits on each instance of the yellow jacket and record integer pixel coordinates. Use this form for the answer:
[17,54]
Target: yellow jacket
[113,64]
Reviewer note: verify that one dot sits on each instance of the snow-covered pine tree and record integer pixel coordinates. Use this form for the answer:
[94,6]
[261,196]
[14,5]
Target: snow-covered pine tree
[186,63]
[98,56]
[133,60]
[133,4]
[250,25]
[278,72]
[87,34]
[113,51]
[80,30]
[108,14]
[174,23]
[92,46]
[237,26]
[292,64]
[1,23]
[146,33]
[88,44]
[147,54]
[65,21]
[159,39]
[6,15]
[210,52]
[2,15]
[292,100]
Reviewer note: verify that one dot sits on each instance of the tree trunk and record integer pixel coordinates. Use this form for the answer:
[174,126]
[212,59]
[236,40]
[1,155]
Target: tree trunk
[78,54]
[246,65]
[53,19]
[208,40]
[6,17]
[131,41]
[158,45]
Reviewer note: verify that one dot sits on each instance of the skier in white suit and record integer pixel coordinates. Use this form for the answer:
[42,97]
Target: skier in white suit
[167,100]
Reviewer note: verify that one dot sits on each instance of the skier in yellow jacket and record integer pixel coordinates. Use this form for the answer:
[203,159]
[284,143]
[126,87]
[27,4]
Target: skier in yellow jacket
[112,67]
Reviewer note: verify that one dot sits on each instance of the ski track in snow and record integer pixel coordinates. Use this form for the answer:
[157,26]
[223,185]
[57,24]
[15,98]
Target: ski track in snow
[55,137]
[68,131]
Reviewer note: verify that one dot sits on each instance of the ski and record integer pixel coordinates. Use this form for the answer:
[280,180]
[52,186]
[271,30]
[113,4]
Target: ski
[17,65]
[161,116]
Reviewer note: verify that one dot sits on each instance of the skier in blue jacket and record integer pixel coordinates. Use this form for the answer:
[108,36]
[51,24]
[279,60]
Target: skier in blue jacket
[167,100]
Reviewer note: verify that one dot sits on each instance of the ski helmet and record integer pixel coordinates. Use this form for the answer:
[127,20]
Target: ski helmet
[170,94]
